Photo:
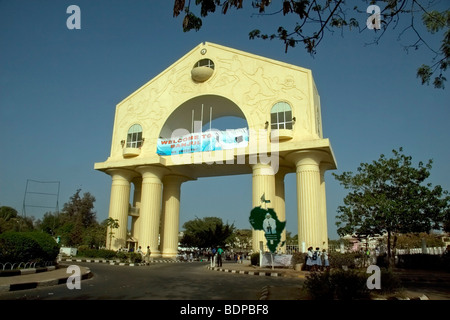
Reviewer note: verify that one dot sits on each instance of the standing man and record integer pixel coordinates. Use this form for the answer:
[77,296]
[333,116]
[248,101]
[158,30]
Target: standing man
[147,256]
[219,257]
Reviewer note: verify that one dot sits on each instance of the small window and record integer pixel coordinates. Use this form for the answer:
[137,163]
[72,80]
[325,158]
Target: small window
[205,63]
[134,137]
[281,116]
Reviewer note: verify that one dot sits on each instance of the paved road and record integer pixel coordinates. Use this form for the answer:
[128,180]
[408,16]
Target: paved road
[170,281]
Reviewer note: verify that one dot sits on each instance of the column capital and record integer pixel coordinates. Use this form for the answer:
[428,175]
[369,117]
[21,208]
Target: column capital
[262,169]
[121,174]
[152,171]
[307,157]
[175,179]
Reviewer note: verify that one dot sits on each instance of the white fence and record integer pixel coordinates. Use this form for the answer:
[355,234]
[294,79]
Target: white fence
[433,250]
[23,265]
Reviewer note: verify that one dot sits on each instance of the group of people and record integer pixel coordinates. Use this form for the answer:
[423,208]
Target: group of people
[218,254]
[146,256]
[316,260]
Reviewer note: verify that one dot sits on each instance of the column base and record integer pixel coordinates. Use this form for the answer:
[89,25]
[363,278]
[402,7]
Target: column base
[169,255]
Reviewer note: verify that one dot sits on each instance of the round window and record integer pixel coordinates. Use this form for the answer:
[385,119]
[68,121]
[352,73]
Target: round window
[202,70]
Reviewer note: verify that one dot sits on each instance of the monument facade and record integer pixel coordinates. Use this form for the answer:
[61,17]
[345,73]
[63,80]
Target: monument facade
[163,136]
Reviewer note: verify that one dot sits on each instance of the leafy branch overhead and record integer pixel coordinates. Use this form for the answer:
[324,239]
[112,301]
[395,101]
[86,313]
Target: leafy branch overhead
[315,18]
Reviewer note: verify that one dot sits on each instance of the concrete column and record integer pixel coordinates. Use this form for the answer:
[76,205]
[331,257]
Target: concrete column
[137,204]
[170,219]
[280,204]
[263,182]
[150,211]
[323,207]
[309,198]
[118,207]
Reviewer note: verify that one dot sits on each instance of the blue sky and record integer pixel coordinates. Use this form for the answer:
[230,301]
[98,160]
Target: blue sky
[59,89]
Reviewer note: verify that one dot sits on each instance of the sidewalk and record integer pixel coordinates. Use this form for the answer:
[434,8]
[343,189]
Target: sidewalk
[247,268]
[33,278]
[417,284]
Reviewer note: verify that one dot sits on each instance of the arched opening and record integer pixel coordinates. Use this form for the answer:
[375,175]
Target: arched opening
[211,111]
[213,114]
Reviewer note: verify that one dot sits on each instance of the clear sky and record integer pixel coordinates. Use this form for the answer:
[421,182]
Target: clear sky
[59,89]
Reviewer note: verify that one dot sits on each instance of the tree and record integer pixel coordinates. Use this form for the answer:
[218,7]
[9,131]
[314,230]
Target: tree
[75,223]
[7,213]
[81,208]
[242,239]
[111,224]
[388,196]
[205,233]
[315,18]
[10,220]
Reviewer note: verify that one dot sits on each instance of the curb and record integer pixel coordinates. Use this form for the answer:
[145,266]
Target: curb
[42,283]
[254,273]
[116,263]
[10,273]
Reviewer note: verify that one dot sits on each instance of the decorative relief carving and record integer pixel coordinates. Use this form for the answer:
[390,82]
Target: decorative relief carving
[255,85]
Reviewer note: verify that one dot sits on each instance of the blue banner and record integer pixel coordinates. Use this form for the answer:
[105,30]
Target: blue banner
[203,141]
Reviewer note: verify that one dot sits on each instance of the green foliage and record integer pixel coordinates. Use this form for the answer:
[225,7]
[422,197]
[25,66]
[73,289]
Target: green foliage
[351,260]
[80,209]
[435,22]
[16,247]
[389,281]
[350,285]
[111,225]
[208,232]
[8,213]
[389,196]
[76,224]
[97,253]
[319,286]
[10,220]
[414,240]
[48,245]
[337,284]
[132,257]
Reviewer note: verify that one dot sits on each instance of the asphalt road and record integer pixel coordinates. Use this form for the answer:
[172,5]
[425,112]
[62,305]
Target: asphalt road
[169,281]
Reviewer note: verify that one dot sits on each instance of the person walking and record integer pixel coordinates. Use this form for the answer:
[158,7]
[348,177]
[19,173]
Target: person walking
[219,257]
[139,251]
[147,255]
[317,259]
[309,259]
[326,263]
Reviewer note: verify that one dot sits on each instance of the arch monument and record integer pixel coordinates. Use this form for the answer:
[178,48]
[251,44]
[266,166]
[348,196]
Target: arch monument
[163,136]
